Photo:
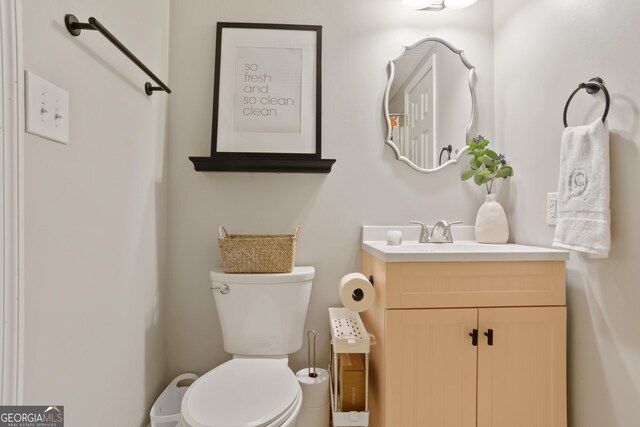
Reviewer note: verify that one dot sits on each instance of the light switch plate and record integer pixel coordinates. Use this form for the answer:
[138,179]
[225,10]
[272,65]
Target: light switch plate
[47,109]
[552,208]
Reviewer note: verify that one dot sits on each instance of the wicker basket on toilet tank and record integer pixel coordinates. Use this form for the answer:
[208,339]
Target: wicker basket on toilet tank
[247,253]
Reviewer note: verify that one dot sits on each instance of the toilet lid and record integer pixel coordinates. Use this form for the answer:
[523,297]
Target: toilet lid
[299,274]
[241,392]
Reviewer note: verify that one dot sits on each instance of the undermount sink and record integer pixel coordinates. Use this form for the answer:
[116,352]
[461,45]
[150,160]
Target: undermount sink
[459,251]
[458,247]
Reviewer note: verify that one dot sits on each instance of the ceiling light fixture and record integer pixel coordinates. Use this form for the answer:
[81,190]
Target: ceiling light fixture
[424,4]
[437,4]
[459,4]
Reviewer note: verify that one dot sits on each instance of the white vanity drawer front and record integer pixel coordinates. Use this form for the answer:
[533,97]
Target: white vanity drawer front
[475,284]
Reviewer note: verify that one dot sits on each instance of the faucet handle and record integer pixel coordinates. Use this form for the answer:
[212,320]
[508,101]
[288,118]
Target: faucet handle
[448,231]
[424,232]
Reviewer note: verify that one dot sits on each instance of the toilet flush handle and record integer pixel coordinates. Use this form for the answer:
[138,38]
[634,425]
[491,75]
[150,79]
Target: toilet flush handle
[224,289]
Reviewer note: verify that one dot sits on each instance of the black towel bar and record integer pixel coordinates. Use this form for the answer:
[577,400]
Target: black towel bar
[593,86]
[75,28]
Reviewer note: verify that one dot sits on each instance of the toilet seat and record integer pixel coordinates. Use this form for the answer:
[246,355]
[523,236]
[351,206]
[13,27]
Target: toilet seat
[243,393]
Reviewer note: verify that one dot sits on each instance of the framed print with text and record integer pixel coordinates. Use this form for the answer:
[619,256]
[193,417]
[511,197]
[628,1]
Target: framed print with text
[267,92]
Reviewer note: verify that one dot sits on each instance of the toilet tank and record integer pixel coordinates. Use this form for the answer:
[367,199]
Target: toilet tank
[263,314]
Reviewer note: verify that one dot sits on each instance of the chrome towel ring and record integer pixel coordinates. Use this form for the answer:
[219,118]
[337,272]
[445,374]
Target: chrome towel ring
[593,86]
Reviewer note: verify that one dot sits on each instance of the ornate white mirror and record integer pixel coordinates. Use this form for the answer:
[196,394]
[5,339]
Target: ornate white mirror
[430,104]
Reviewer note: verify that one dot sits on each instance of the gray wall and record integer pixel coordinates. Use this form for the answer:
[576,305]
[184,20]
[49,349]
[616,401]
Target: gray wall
[95,216]
[367,185]
[544,48]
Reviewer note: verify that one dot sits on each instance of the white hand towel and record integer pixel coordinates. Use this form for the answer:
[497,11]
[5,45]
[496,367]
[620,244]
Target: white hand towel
[584,218]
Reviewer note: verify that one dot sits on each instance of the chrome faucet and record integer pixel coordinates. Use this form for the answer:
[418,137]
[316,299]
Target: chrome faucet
[424,232]
[440,233]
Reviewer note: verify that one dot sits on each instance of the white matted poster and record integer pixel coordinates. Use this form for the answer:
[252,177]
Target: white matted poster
[266,99]
[267,93]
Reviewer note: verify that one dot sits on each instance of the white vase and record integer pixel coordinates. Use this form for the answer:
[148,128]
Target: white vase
[491,222]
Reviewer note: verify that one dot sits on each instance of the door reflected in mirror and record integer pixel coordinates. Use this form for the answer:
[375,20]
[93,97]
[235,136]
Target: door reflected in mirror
[430,104]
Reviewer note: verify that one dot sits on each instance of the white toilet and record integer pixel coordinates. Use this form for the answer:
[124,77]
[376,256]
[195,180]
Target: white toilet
[262,318]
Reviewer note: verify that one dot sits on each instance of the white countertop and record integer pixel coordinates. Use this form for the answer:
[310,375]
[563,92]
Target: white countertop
[459,251]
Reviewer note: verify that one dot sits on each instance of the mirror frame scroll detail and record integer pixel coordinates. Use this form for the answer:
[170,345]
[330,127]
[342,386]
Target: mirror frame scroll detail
[472,89]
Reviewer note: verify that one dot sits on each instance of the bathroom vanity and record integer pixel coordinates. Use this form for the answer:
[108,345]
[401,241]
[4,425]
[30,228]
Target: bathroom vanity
[467,334]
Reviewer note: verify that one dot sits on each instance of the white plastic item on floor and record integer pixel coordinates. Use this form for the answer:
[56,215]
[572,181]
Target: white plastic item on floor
[315,417]
[315,410]
[165,412]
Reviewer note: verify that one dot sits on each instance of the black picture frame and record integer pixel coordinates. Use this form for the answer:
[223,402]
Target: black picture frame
[265,161]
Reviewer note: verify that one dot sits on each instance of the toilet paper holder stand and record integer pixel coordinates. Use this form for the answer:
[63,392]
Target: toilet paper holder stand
[310,364]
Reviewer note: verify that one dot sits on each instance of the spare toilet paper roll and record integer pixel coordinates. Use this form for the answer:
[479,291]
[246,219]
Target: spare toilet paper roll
[356,292]
[315,391]
[314,417]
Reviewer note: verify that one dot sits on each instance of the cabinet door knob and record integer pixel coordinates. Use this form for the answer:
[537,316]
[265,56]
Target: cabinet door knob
[489,335]
[474,337]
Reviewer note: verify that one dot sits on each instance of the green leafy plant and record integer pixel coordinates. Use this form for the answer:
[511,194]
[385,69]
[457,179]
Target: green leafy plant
[486,165]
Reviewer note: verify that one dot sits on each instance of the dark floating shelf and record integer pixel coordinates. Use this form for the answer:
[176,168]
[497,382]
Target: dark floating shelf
[212,164]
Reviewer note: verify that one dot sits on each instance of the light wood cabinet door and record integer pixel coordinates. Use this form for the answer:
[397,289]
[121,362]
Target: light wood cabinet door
[431,368]
[522,376]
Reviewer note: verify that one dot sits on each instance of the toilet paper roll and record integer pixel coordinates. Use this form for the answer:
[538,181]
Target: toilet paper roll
[315,391]
[356,292]
[314,417]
